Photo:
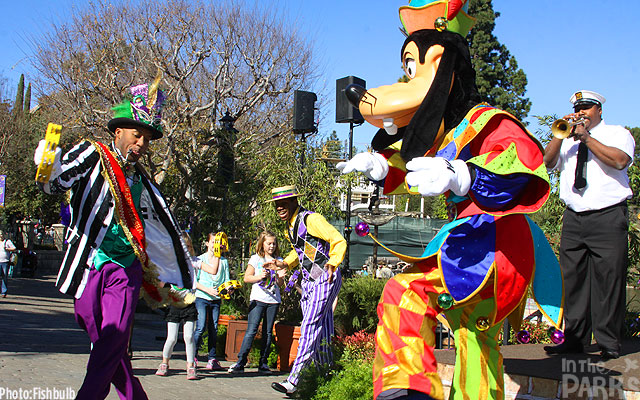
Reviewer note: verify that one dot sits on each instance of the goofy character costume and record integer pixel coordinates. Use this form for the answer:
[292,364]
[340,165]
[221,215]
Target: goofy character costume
[437,138]
[122,238]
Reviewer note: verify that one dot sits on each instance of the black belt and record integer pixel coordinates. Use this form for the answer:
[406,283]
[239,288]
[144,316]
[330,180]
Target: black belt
[623,203]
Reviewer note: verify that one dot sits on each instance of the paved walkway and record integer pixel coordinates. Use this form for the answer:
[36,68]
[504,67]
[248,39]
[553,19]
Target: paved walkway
[43,353]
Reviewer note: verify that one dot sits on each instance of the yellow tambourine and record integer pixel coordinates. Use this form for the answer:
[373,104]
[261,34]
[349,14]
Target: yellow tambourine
[52,137]
[225,288]
[220,244]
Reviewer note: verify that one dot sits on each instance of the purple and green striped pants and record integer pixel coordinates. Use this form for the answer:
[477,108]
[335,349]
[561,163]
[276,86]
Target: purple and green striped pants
[316,328]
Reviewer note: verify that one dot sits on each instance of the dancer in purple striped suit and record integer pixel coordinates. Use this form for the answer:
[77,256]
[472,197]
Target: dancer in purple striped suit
[318,248]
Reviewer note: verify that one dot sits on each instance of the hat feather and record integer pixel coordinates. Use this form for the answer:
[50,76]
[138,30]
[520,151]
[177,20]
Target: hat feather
[153,89]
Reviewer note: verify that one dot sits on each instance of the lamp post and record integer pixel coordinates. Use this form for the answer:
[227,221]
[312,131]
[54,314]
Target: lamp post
[226,160]
[346,112]
[347,219]
[227,121]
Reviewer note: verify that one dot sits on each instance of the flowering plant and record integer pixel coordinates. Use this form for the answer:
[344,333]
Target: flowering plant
[360,346]
[538,331]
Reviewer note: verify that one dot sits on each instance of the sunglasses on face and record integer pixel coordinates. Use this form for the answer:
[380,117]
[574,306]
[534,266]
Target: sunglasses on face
[585,106]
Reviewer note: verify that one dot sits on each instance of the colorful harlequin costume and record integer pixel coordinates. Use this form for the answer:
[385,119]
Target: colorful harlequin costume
[479,267]
[123,241]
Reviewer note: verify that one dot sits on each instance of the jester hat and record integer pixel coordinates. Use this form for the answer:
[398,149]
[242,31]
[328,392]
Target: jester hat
[441,15]
[142,110]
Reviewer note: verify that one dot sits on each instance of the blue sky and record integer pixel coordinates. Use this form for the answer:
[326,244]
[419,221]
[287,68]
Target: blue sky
[562,46]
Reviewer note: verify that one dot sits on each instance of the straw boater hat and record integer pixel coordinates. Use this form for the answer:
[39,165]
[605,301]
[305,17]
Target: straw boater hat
[284,192]
[142,110]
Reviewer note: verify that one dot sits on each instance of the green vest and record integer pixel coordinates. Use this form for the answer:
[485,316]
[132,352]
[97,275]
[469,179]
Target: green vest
[115,247]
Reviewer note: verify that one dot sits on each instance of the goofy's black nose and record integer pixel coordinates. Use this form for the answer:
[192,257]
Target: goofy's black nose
[354,94]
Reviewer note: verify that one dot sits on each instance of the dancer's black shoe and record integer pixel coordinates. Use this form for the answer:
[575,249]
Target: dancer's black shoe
[609,355]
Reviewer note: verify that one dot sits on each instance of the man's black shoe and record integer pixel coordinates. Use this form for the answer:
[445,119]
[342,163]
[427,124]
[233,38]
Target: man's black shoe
[609,355]
[564,348]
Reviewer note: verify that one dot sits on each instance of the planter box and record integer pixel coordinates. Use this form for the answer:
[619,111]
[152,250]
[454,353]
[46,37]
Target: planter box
[235,333]
[223,319]
[236,330]
[287,337]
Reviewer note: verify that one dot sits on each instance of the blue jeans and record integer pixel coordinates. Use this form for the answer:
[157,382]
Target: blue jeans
[4,273]
[211,309]
[258,311]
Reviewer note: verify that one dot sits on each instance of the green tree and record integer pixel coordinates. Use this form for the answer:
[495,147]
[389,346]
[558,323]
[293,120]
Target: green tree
[27,100]
[500,82]
[17,105]
[214,57]
[19,137]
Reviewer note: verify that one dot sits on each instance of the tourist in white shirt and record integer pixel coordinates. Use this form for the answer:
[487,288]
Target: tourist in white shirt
[6,247]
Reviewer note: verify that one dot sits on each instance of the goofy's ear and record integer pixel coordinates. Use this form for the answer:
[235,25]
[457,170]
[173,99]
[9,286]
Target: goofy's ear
[422,131]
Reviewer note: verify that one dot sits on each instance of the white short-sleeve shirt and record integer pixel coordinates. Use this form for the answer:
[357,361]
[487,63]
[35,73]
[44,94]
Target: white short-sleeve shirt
[4,254]
[606,186]
[269,295]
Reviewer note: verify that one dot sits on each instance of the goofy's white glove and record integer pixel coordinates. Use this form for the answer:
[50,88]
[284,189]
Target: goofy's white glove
[39,155]
[435,175]
[373,165]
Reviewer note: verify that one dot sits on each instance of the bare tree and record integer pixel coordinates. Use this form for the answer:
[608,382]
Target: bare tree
[215,57]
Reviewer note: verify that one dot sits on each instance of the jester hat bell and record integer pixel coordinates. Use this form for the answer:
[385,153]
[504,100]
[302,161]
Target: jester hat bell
[142,110]
[441,15]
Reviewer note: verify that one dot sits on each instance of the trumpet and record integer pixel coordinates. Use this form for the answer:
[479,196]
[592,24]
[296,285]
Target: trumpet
[561,128]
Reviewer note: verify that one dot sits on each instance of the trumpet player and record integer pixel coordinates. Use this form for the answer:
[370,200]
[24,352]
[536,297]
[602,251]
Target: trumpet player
[593,161]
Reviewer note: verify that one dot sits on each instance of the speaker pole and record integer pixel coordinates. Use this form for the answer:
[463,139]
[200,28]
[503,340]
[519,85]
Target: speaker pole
[347,222]
[304,148]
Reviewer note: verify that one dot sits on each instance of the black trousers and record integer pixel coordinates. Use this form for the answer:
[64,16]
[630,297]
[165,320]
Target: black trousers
[593,258]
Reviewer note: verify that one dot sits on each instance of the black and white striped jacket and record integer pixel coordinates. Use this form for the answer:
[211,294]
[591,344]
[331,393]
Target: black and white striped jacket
[92,210]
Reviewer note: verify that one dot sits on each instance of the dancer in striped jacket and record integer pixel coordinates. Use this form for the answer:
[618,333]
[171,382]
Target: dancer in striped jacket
[122,238]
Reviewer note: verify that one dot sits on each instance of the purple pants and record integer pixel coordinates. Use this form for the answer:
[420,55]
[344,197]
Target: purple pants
[316,328]
[105,311]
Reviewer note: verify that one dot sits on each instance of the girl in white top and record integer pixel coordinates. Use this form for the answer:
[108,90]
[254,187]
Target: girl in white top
[265,299]
[6,247]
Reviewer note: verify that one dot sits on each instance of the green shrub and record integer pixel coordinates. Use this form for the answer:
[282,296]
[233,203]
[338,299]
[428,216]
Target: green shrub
[272,360]
[354,382]
[253,359]
[357,303]
[351,380]
[312,378]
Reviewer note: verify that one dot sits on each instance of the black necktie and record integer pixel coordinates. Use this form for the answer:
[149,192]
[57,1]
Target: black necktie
[581,167]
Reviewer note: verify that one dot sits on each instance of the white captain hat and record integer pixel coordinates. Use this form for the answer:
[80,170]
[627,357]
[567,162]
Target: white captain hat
[587,96]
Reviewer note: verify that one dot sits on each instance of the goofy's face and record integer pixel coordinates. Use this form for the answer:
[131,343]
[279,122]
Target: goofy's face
[394,105]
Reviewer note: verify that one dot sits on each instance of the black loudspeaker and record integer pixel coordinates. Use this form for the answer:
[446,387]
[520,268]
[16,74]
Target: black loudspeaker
[303,111]
[345,112]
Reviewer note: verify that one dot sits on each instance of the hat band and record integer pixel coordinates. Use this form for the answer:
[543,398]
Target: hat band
[287,194]
[590,101]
